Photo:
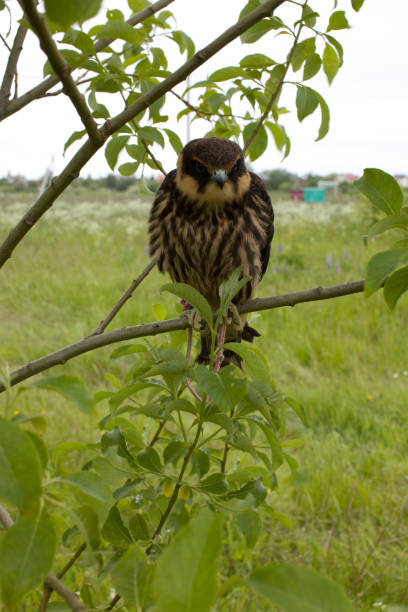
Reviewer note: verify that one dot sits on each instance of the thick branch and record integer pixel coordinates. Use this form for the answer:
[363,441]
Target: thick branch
[62,69]
[72,600]
[11,67]
[152,329]
[40,90]
[112,125]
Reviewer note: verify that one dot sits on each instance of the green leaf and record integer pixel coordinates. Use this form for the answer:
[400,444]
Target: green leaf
[249,523]
[382,265]
[256,60]
[306,102]
[331,62]
[253,359]
[186,574]
[70,387]
[381,189]
[259,143]
[302,51]
[174,140]
[357,4]
[114,529]
[391,222]
[193,297]
[312,66]
[151,135]
[129,576]
[212,384]
[91,490]
[185,43]
[215,484]
[113,148]
[201,462]
[230,287]
[309,16]
[258,30]
[293,588]
[338,21]
[74,136]
[395,286]
[280,137]
[174,450]
[128,168]
[80,40]
[20,468]
[138,527]
[224,74]
[150,460]
[122,30]
[26,554]
[71,11]
[324,125]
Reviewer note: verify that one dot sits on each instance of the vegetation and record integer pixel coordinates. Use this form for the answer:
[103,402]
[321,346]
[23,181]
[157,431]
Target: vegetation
[153,483]
[344,506]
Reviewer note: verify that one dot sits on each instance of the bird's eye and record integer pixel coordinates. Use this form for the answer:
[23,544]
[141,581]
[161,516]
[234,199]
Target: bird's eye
[199,167]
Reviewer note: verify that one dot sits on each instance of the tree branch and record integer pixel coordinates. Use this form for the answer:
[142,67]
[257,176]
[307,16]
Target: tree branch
[161,327]
[11,67]
[50,580]
[62,69]
[48,588]
[88,149]
[276,91]
[128,293]
[40,90]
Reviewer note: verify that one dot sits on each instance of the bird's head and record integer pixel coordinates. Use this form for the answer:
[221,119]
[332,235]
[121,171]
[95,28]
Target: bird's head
[212,170]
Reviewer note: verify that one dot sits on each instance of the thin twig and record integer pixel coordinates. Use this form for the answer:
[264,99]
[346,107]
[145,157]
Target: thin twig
[11,68]
[40,90]
[89,148]
[93,342]
[128,293]
[62,68]
[276,91]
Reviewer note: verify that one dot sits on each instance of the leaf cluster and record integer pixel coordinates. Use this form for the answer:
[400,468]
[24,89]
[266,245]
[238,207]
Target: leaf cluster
[390,267]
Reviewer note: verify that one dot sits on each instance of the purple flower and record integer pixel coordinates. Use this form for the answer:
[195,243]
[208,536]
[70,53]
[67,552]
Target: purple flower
[280,248]
[337,266]
[329,260]
[346,256]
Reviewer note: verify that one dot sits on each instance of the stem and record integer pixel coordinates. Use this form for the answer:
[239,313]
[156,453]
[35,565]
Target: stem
[276,91]
[176,489]
[128,293]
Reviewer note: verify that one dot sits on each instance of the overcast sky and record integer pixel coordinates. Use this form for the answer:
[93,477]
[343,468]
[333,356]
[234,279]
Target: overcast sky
[368,99]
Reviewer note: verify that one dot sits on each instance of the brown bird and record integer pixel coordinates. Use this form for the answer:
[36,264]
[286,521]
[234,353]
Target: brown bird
[211,216]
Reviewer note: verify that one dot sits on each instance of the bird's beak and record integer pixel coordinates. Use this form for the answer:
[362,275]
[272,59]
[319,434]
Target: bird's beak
[220,177]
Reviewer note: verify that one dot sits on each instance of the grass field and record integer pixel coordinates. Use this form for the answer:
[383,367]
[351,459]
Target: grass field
[344,360]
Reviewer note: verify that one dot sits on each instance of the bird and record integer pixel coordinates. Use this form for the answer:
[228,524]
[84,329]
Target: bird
[210,216]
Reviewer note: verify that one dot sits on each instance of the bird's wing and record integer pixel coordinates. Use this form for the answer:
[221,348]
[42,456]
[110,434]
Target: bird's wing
[262,206]
[162,206]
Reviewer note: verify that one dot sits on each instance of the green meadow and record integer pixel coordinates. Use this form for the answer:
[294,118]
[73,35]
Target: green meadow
[344,360]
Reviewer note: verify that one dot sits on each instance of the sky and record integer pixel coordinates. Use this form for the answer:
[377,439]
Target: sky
[368,99]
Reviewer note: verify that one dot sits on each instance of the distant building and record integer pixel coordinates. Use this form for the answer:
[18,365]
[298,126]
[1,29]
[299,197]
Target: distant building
[297,195]
[402,180]
[314,194]
[346,178]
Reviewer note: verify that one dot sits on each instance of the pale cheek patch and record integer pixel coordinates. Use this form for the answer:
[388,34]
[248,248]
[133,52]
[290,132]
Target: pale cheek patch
[212,193]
